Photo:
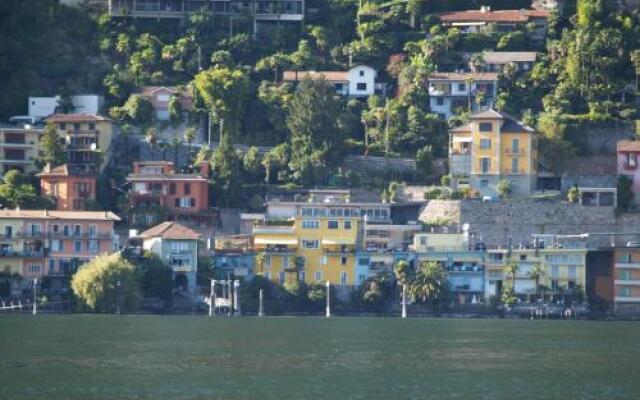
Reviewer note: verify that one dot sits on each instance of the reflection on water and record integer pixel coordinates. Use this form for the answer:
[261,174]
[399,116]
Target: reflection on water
[168,357]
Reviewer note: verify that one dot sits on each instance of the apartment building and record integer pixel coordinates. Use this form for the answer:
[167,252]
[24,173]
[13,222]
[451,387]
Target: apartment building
[626,282]
[19,148]
[465,266]
[87,139]
[450,92]
[492,147]
[177,246]
[500,21]
[263,12]
[358,81]
[37,243]
[158,192]
[71,192]
[628,156]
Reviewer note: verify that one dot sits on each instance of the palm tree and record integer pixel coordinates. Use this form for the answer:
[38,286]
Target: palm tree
[402,271]
[151,136]
[260,259]
[537,273]
[511,270]
[430,282]
[189,136]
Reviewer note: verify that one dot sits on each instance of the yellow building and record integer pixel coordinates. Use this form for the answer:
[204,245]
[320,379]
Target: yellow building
[563,270]
[315,241]
[87,140]
[492,147]
[19,148]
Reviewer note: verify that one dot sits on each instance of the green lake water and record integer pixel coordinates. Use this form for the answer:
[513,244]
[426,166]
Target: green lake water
[195,357]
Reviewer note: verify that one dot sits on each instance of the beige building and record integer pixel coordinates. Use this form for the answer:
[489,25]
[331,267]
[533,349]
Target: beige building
[19,148]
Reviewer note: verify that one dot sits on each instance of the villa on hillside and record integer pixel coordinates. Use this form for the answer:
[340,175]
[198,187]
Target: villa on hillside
[494,146]
[496,61]
[359,81]
[450,91]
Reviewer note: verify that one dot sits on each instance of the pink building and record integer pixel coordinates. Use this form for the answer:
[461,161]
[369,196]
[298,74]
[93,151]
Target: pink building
[628,157]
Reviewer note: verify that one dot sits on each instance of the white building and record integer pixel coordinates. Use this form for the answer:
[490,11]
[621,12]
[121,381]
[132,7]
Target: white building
[42,107]
[449,91]
[359,81]
[496,61]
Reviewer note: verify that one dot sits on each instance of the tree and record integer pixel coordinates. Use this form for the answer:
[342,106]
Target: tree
[106,284]
[224,92]
[17,190]
[276,162]
[189,136]
[139,111]
[176,113]
[154,277]
[252,164]
[625,192]
[52,150]
[573,195]
[424,163]
[151,137]
[503,187]
[430,283]
[313,122]
[511,269]
[403,272]
[536,273]
[226,178]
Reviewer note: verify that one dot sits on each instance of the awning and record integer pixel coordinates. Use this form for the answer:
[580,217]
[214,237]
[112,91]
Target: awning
[276,241]
[336,242]
[462,139]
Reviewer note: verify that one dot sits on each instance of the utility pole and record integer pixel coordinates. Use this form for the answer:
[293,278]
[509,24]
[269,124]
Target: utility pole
[212,297]
[35,298]
[328,309]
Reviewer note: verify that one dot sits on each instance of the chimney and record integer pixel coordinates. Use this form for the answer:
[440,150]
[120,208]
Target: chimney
[46,213]
[47,168]
[205,169]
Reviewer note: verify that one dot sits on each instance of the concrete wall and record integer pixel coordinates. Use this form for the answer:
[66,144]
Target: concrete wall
[497,222]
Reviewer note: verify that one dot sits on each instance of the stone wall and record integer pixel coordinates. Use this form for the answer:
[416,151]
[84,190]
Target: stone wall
[497,223]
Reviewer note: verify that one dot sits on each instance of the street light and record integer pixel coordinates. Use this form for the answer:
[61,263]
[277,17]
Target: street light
[35,299]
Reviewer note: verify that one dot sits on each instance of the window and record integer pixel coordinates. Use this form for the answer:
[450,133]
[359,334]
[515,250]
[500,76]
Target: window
[77,230]
[93,231]
[172,188]
[66,230]
[180,247]
[267,262]
[361,278]
[35,229]
[624,274]
[343,278]
[310,224]
[486,127]
[361,72]
[347,225]
[34,269]
[163,97]
[76,127]
[318,276]
[484,182]
[56,245]
[185,202]
[63,126]
[440,101]
[514,165]
[323,260]
[77,246]
[339,87]
[485,165]
[187,188]
[92,126]
[93,246]
[573,273]
[332,224]
[624,291]
[462,87]
[343,260]
[631,160]
[8,231]
[361,86]
[515,146]
[267,275]
[310,243]
[485,143]
[52,265]
[555,272]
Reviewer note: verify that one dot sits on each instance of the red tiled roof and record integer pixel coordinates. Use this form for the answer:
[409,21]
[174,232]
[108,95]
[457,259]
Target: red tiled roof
[47,214]
[333,76]
[171,230]
[76,118]
[492,16]
[629,145]
[463,76]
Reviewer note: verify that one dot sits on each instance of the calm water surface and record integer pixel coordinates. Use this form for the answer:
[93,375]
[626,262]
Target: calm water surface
[180,357]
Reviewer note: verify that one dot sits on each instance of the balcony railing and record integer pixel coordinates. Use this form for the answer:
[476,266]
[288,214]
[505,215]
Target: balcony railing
[23,253]
[514,171]
[624,264]
[513,151]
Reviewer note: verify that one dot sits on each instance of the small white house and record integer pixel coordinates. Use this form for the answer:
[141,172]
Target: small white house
[42,107]
[359,81]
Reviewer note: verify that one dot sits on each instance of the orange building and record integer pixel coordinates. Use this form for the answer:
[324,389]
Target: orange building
[159,193]
[71,192]
[35,243]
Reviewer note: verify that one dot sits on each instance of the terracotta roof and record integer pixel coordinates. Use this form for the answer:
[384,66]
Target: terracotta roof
[60,170]
[186,99]
[493,16]
[333,76]
[76,118]
[511,124]
[463,76]
[628,145]
[47,214]
[505,57]
[171,230]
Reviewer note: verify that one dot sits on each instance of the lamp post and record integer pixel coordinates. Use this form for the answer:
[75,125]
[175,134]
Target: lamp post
[212,297]
[261,303]
[328,309]
[35,299]
[118,283]
[236,297]
[404,301]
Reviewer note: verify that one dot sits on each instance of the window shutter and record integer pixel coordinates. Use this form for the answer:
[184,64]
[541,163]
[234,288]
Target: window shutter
[177,202]
[193,202]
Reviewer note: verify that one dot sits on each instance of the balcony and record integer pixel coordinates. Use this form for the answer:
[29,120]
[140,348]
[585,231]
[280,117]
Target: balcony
[22,254]
[627,282]
[630,265]
[279,10]
[149,193]
[147,8]
[273,230]
[277,249]
[514,151]
[514,172]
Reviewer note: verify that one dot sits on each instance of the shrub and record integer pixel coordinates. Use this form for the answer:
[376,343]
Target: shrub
[573,195]
[433,193]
